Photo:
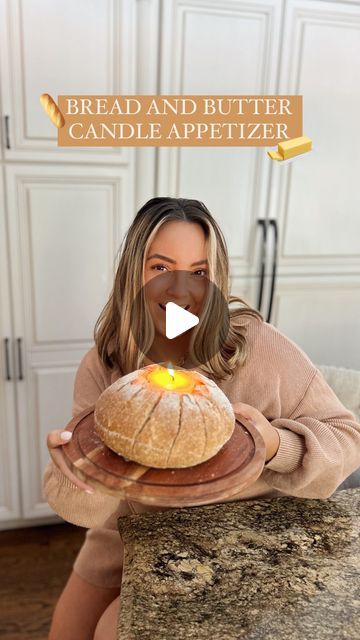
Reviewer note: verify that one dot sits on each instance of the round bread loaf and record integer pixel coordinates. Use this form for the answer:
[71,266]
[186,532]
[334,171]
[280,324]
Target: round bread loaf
[163,428]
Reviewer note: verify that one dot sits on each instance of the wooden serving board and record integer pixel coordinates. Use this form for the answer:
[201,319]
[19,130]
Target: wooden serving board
[238,464]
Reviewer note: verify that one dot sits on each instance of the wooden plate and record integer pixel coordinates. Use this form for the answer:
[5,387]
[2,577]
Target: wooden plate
[238,464]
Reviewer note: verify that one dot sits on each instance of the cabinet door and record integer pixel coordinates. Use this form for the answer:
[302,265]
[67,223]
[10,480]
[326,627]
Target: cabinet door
[316,198]
[61,48]
[247,289]
[146,69]
[9,463]
[321,314]
[217,48]
[65,226]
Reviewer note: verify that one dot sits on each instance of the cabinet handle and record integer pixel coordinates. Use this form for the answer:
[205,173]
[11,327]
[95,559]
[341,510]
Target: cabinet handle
[7,132]
[263,225]
[21,377]
[273,224]
[7,359]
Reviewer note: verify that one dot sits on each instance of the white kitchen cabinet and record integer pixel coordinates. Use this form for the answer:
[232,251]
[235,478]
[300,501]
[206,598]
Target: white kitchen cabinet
[62,48]
[10,507]
[66,214]
[312,203]
[321,314]
[65,227]
[315,199]
[65,211]
[221,47]
[246,288]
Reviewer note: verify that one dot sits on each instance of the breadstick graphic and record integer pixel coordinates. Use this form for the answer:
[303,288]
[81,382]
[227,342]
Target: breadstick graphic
[52,110]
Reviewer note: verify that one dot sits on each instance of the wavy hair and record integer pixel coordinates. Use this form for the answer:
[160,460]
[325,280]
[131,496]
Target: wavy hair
[124,330]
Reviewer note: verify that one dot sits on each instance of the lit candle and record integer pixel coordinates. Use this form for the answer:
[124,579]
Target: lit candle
[171,379]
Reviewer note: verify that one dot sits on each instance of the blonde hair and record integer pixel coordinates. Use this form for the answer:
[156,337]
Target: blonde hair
[124,330]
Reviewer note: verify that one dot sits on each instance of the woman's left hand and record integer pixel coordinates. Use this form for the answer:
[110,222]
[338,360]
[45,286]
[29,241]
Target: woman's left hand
[258,420]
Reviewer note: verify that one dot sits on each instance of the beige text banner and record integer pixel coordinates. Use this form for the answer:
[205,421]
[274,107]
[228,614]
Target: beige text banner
[188,121]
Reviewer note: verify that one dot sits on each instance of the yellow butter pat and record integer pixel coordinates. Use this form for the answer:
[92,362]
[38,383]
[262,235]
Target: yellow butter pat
[275,155]
[294,147]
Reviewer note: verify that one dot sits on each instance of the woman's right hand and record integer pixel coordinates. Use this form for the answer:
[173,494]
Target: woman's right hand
[54,444]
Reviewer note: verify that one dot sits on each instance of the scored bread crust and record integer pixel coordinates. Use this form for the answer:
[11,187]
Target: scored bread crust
[160,428]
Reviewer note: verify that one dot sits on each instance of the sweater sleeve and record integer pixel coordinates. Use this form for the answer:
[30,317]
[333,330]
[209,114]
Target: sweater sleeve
[89,382]
[64,497]
[319,444]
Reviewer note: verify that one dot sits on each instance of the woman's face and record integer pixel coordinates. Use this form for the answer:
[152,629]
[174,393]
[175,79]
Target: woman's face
[176,270]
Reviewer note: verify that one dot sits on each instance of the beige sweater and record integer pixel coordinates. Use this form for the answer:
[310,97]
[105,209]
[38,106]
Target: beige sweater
[319,443]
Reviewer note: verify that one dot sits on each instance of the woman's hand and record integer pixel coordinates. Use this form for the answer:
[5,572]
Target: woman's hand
[55,440]
[256,418]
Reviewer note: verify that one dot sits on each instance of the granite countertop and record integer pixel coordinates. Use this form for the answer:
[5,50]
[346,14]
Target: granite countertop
[280,568]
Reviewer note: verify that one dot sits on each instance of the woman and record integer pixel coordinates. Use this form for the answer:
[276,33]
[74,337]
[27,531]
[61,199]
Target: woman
[312,442]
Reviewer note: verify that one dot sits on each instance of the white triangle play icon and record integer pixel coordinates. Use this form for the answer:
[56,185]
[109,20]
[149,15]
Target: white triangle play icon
[178,320]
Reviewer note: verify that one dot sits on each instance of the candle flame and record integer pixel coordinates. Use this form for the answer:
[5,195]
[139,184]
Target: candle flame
[171,371]
[163,377]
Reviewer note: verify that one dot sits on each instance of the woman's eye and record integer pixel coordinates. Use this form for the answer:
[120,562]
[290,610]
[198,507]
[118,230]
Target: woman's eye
[158,267]
[201,273]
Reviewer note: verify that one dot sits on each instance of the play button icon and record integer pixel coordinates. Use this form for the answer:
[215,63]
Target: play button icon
[202,315]
[178,320]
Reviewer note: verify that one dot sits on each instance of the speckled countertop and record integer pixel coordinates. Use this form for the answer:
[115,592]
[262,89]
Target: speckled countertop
[279,568]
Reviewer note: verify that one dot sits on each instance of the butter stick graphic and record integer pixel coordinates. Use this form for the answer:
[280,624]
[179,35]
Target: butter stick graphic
[291,148]
[52,110]
[275,155]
